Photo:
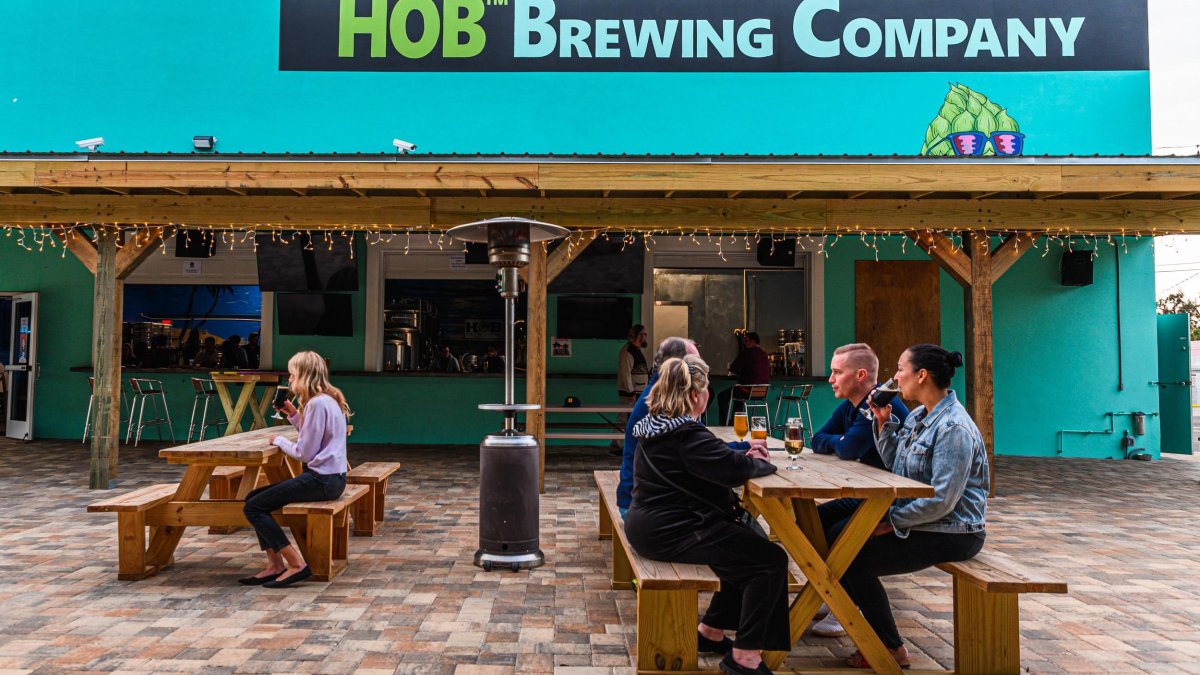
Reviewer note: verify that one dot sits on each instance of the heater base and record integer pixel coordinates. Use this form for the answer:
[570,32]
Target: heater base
[520,561]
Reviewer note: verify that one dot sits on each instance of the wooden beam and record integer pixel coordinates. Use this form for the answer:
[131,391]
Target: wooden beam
[138,247]
[1091,216]
[568,250]
[1178,195]
[1115,195]
[977,314]
[81,245]
[983,195]
[108,301]
[535,355]
[1009,252]
[945,253]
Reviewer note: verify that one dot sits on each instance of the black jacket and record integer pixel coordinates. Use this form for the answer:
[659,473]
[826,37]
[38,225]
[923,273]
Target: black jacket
[661,516]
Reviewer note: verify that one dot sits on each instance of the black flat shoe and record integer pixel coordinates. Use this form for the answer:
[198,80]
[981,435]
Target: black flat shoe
[258,581]
[294,579]
[706,646]
[731,667]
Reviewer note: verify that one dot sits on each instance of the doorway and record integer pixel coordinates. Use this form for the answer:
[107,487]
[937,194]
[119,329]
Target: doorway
[18,335]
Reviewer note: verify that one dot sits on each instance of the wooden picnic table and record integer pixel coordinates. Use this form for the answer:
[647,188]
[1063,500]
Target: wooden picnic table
[235,411]
[787,500]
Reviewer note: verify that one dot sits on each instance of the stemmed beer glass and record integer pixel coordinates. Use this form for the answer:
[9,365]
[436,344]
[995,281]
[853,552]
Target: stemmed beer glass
[741,426]
[281,395]
[793,441]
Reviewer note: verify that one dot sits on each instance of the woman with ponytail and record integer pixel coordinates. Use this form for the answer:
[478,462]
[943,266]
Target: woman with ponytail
[937,444]
[321,445]
[683,510]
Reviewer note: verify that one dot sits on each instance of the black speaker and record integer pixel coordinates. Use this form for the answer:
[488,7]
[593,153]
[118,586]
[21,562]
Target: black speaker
[195,244]
[777,252]
[1077,268]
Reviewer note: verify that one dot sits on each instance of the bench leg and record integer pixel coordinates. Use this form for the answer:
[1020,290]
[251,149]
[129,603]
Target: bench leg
[622,571]
[319,546]
[131,549]
[365,514]
[380,494]
[987,639]
[666,630]
[606,524]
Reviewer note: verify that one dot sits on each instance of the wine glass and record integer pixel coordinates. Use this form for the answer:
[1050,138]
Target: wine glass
[741,425]
[793,441]
[281,395]
[758,428]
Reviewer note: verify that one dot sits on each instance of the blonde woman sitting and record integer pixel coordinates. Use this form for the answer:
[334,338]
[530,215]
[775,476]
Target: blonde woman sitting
[321,445]
[683,511]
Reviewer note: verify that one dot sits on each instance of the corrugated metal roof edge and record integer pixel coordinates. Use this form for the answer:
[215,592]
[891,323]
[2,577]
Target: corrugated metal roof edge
[599,159]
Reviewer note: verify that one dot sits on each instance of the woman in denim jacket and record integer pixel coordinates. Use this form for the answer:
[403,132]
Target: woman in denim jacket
[938,444]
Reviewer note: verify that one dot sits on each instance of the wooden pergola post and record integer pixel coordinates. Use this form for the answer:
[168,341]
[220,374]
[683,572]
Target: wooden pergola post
[535,355]
[976,267]
[111,260]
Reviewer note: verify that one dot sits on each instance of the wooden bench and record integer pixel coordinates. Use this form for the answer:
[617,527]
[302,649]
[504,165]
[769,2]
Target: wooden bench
[609,430]
[326,531]
[667,593]
[368,515]
[131,510]
[224,484]
[987,638]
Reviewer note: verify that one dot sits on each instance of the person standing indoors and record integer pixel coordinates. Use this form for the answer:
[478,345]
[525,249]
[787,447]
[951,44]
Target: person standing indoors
[752,366]
[632,371]
[939,445]
[853,374]
[683,511]
[321,445]
[253,350]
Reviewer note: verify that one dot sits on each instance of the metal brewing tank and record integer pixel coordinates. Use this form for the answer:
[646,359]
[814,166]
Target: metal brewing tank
[509,498]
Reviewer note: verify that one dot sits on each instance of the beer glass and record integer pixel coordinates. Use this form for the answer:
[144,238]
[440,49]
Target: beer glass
[758,428]
[882,396]
[741,425]
[793,441]
[281,395]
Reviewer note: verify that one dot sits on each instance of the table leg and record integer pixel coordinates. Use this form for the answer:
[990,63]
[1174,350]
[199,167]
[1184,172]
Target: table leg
[235,416]
[249,482]
[260,411]
[164,539]
[823,580]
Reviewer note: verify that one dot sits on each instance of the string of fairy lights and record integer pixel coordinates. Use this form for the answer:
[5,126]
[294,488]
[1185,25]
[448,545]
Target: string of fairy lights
[822,242]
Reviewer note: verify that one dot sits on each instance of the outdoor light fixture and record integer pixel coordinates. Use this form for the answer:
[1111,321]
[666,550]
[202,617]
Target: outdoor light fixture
[90,143]
[508,460]
[204,143]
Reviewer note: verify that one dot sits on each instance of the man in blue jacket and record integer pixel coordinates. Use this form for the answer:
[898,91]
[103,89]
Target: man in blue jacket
[853,374]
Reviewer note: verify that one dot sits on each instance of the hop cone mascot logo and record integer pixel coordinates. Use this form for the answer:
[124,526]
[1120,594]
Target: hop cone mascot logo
[969,124]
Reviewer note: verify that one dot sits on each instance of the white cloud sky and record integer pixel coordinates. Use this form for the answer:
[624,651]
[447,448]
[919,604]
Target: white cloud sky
[1175,100]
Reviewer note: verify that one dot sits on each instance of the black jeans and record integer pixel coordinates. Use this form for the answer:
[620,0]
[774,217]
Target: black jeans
[753,572]
[887,555]
[309,486]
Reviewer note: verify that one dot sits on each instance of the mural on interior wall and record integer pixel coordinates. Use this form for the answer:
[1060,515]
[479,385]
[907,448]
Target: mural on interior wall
[969,124]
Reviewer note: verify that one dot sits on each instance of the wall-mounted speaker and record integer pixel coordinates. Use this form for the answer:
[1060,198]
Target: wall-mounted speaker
[777,252]
[1077,268]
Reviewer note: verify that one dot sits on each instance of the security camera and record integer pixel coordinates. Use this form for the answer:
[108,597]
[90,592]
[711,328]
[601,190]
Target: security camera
[90,143]
[403,146]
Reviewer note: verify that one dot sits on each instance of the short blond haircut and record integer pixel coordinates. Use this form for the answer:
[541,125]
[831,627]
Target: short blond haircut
[860,355]
[677,378]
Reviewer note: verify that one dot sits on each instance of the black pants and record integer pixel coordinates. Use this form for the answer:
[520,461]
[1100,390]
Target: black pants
[753,573]
[309,486]
[887,555]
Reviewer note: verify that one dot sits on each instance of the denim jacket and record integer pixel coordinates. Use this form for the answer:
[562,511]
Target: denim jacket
[942,448]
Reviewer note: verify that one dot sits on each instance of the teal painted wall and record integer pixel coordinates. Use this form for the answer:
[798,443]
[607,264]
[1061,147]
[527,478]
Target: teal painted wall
[157,74]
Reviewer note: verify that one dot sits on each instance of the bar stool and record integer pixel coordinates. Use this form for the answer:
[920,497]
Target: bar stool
[752,397]
[148,390]
[87,421]
[792,395]
[206,392]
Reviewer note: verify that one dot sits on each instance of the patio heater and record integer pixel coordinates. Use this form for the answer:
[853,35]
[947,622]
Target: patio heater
[508,460]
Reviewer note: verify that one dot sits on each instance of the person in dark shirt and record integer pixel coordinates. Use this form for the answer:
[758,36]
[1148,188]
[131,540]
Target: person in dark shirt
[492,361]
[158,356]
[208,356]
[232,354]
[253,350]
[752,366]
[853,375]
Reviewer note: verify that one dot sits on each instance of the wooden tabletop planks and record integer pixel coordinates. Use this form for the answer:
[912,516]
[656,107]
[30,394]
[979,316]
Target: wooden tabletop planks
[824,476]
[250,448]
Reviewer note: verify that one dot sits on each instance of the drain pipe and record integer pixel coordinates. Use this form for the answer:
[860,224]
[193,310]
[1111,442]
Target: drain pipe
[1120,365]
